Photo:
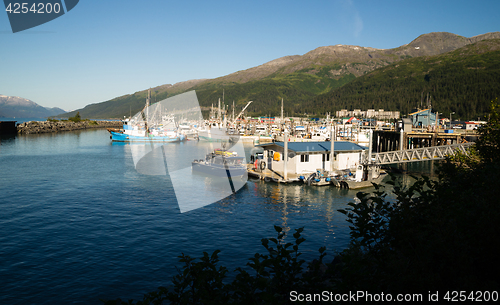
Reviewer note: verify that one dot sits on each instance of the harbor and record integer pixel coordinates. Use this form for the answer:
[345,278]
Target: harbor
[344,152]
[83,198]
[72,203]
[298,173]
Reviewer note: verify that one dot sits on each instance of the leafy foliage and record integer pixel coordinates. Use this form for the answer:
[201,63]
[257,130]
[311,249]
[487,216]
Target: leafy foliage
[438,235]
[489,141]
[77,118]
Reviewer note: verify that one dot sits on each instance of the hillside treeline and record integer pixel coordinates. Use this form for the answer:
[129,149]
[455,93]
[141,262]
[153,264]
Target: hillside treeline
[296,89]
[462,81]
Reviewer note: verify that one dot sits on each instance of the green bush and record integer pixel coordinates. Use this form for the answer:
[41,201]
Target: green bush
[77,118]
[436,234]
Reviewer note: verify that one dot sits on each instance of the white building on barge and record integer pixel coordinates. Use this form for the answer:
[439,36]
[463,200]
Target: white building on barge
[307,157]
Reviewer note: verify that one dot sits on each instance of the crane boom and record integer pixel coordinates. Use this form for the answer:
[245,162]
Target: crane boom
[241,112]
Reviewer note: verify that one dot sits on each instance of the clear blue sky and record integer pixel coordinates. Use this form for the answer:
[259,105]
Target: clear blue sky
[104,49]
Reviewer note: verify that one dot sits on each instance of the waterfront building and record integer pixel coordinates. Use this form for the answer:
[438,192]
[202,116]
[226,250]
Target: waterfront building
[423,118]
[307,157]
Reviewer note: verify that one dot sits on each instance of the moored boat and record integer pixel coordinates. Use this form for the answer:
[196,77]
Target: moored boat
[221,163]
[152,124]
[125,137]
[364,176]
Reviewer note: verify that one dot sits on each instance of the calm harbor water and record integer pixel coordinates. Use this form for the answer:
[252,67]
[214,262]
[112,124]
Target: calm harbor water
[79,223]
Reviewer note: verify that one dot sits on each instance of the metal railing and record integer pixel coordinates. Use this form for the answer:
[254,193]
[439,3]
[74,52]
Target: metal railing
[420,154]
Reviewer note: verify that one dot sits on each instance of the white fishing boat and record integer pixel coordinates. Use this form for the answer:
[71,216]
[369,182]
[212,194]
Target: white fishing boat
[189,130]
[152,124]
[219,130]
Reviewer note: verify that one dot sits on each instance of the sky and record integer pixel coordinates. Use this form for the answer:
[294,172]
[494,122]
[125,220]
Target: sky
[103,49]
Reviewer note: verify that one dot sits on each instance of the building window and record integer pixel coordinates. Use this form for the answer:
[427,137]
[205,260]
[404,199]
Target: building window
[326,157]
[304,158]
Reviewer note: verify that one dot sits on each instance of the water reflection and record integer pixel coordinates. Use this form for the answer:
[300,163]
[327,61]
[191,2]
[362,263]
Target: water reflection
[76,197]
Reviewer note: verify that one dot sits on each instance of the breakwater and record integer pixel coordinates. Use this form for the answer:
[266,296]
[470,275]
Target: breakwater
[51,126]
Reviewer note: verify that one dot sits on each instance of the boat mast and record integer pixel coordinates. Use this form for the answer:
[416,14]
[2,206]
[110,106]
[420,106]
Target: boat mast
[148,100]
[219,113]
[282,121]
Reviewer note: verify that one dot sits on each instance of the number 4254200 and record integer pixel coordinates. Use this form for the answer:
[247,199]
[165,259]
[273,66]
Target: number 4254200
[37,8]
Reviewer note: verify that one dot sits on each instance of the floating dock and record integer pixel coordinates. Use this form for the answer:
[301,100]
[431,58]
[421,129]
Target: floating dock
[270,175]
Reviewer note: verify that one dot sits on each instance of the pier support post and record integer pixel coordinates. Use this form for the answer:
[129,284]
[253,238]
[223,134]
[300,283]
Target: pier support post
[285,156]
[370,147]
[332,146]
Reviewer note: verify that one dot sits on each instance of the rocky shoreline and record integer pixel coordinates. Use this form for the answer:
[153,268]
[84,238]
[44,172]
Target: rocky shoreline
[34,127]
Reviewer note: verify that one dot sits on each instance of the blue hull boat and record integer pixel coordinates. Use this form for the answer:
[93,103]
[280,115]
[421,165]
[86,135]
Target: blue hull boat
[123,137]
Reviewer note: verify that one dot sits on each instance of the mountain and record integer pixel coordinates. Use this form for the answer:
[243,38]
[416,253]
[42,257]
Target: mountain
[463,81]
[298,79]
[13,106]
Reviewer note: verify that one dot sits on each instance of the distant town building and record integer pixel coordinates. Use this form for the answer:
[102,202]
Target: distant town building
[266,119]
[472,125]
[370,113]
[423,118]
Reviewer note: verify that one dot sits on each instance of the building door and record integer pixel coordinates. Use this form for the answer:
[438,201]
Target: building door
[326,157]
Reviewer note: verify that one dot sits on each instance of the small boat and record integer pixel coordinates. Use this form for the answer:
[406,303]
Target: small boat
[365,176]
[125,137]
[221,163]
[319,178]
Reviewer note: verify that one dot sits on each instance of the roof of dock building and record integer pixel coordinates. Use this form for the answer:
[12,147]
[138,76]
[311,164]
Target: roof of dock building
[317,147]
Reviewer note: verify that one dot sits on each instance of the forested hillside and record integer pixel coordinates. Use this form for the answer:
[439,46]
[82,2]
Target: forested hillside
[462,81]
[459,74]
